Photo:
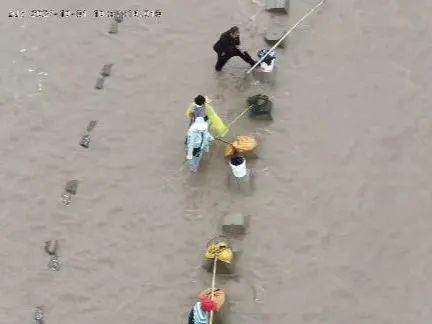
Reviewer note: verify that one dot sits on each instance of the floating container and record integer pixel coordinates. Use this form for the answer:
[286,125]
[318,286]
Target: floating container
[280,6]
[238,166]
[267,68]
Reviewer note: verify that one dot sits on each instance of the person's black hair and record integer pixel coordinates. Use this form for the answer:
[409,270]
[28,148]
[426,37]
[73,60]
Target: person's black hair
[200,100]
[233,29]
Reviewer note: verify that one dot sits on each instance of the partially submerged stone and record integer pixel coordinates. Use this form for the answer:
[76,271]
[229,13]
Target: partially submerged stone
[274,34]
[38,315]
[264,114]
[85,141]
[113,28]
[99,83]
[234,223]
[72,186]
[91,125]
[54,263]
[51,247]
[118,17]
[106,70]
[261,107]
[280,6]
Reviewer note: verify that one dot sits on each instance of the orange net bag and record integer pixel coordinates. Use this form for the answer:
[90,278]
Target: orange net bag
[242,144]
[219,296]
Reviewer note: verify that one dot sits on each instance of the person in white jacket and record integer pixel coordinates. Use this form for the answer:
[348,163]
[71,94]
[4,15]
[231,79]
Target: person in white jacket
[198,141]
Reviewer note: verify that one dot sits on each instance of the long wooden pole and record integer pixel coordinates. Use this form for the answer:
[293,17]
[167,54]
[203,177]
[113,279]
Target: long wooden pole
[213,287]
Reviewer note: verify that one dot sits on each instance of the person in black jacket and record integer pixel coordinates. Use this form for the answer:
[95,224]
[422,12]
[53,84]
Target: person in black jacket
[226,47]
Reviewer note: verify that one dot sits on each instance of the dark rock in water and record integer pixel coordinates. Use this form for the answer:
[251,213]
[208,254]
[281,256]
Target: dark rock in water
[106,70]
[261,107]
[274,34]
[51,247]
[85,141]
[118,17]
[54,264]
[114,28]
[99,83]
[262,115]
[72,186]
[91,125]
[234,223]
[38,315]
[281,6]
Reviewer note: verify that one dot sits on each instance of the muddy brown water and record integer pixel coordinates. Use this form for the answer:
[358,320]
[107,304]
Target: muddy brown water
[340,218]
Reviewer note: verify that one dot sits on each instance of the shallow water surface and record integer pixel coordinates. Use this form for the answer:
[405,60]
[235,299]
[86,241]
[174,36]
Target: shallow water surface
[340,229]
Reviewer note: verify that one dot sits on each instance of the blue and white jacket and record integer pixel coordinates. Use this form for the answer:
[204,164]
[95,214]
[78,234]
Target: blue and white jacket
[198,140]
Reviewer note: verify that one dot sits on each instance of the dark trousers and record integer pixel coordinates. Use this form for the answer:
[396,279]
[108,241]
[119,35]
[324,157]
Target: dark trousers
[191,317]
[222,59]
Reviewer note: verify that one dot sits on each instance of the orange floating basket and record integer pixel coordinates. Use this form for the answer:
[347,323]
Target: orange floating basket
[219,296]
[242,144]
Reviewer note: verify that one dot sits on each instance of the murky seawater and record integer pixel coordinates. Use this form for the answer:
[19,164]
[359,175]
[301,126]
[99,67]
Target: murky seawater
[340,229]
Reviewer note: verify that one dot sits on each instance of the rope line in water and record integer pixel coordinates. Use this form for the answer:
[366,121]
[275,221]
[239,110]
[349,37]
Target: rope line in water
[238,117]
[284,36]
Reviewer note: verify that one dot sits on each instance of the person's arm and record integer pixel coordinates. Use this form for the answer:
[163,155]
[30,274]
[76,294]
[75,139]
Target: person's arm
[236,41]
[209,138]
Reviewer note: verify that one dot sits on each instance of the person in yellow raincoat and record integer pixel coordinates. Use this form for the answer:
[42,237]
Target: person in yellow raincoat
[201,108]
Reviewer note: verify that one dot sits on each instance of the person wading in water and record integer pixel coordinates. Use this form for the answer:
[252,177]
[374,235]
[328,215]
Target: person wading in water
[226,47]
[201,108]
[198,141]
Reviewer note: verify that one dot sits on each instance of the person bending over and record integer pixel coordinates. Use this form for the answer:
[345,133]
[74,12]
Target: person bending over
[227,47]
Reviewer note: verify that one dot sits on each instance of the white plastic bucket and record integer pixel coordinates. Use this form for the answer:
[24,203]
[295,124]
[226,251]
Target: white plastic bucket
[267,68]
[238,166]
